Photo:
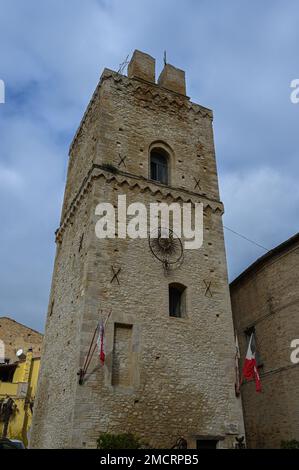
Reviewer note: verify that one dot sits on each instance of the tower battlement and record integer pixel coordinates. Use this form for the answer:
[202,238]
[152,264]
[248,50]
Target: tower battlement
[142,66]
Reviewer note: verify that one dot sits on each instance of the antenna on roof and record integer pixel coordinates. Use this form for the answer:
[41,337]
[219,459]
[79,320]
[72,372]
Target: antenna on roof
[123,65]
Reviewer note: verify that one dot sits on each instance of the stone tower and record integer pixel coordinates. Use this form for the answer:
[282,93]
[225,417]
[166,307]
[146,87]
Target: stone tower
[169,368]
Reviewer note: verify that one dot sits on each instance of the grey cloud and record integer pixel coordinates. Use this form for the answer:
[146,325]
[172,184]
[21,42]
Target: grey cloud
[239,57]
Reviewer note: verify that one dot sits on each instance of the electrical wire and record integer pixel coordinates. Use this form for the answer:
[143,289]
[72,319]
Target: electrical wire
[246,238]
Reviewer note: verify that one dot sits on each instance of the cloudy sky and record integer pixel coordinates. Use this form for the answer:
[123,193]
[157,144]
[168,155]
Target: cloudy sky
[240,58]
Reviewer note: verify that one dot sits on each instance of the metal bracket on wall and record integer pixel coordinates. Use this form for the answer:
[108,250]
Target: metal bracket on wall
[197,181]
[208,288]
[116,272]
[122,160]
[81,242]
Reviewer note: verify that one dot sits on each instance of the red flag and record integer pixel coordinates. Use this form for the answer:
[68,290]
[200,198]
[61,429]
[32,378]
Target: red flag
[100,342]
[250,368]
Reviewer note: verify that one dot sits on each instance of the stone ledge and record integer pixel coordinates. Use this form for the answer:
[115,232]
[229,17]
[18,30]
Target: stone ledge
[133,181]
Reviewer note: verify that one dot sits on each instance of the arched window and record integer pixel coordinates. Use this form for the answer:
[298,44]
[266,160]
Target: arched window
[177,300]
[159,165]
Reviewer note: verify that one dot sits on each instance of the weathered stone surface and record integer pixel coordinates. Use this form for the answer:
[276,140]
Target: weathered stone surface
[173,79]
[142,66]
[174,376]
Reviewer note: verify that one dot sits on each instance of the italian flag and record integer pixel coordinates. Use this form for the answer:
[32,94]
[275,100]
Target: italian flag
[250,368]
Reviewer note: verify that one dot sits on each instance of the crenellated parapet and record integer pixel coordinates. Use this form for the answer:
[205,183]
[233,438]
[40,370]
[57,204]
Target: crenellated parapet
[149,95]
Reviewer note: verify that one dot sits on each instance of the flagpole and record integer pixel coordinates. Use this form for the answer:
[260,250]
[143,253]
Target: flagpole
[107,318]
[92,347]
[237,357]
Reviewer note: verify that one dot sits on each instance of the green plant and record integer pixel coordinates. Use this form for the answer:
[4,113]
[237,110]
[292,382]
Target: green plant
[292,444]
[118,441]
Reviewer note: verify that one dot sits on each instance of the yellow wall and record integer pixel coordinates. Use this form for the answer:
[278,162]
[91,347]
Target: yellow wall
[25,375]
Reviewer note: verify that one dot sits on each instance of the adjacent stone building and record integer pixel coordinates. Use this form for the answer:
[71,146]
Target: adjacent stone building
[18,376]
[169,341]
[16,336]
[265,301]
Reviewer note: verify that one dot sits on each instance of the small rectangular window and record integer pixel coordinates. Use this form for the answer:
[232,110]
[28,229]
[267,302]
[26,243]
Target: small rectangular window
[154,175]
[7,372]
[206,444]
[159,167]
[176,300]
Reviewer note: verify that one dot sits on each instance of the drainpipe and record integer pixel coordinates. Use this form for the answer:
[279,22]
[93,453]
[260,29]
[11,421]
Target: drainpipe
[27,368]
[27,390]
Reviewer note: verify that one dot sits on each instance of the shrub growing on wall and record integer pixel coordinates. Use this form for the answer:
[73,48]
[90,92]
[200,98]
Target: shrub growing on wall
[293,444]
[118,441]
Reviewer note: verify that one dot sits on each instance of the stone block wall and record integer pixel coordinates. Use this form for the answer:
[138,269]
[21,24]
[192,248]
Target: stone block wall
[17,336]
[266,297]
